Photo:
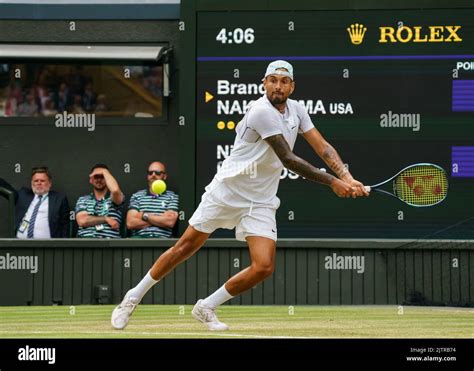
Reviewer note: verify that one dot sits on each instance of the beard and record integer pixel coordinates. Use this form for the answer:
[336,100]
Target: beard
[277,99]
[100,188]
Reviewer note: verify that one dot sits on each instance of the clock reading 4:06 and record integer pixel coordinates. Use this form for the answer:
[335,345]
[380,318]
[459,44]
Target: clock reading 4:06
[236,36]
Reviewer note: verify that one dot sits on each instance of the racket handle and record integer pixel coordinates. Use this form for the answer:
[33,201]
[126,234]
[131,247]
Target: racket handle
[368,188]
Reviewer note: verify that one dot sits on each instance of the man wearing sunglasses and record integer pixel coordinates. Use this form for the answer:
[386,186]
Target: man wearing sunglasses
[150,215]
[99,214]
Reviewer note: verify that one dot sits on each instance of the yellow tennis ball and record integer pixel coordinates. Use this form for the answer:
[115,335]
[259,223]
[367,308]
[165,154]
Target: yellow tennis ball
[158,187]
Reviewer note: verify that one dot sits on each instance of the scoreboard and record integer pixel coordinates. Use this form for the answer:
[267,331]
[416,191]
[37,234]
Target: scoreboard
[386,87]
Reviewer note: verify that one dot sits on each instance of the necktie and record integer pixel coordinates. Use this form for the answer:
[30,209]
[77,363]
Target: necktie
[31,226]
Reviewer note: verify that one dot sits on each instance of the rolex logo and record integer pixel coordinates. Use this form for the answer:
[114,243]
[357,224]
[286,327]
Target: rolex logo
[356,33]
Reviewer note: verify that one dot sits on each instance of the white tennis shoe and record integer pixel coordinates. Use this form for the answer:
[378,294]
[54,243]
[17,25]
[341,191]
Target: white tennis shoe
[207,315]
[123,311]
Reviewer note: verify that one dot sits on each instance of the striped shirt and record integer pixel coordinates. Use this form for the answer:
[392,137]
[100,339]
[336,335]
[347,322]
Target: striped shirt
[103,207]
[154,204]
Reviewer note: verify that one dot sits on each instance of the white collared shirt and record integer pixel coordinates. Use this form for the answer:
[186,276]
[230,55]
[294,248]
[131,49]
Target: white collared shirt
[42,221]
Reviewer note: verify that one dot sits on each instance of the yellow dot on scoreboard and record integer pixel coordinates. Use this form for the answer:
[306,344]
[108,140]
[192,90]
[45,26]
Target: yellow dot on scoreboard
[221,125]
[231,125]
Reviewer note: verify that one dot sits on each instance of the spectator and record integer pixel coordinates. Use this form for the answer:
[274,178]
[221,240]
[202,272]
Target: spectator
[77,79]
[49,109]
[11,104]
[101,103]
[29,107]
[89,99]
[63,98]
[77,107]
[150,215]
[99,213]
[40,212]
[153,81]
[42,94]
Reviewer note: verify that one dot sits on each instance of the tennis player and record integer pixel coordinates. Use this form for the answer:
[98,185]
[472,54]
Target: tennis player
[242,194]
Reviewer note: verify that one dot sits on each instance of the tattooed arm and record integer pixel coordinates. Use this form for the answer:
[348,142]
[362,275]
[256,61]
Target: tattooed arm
[305,169]
[330,156]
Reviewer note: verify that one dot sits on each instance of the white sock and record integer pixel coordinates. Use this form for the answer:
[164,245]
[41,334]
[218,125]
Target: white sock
[143,286]
[220,296]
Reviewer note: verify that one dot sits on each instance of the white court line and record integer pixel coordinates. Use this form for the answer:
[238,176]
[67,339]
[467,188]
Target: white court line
[213,333]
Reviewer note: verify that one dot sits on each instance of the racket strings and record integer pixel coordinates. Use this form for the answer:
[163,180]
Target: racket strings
[421,185]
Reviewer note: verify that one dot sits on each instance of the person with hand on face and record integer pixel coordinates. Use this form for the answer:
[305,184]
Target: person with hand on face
[99,214]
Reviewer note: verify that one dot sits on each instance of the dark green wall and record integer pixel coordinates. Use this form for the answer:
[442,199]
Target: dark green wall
[395,272]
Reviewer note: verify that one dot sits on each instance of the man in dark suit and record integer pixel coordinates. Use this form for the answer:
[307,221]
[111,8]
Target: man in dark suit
[40,212]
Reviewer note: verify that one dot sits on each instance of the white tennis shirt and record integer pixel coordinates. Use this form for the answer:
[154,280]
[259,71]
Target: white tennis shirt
[253,169]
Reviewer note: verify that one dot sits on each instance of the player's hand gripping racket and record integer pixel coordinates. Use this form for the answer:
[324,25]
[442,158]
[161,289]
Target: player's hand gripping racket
[418,185]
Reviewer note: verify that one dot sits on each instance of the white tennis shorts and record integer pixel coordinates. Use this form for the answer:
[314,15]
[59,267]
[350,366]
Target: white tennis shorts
[220,207]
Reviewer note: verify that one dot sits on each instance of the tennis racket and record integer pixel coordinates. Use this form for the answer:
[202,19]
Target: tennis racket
[419,185]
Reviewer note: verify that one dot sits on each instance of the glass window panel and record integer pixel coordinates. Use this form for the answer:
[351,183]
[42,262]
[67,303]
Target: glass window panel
[38,89]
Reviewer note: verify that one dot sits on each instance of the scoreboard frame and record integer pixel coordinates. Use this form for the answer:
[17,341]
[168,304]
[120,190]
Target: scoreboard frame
[189,41]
